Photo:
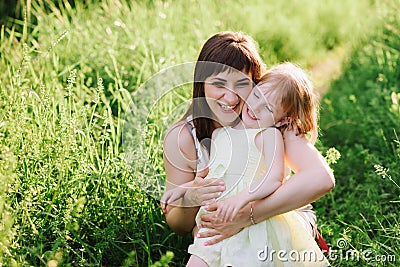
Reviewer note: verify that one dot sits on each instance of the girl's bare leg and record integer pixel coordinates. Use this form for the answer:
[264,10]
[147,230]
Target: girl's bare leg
[195,261]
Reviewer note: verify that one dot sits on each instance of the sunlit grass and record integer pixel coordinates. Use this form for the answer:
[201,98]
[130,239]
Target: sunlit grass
[69,77]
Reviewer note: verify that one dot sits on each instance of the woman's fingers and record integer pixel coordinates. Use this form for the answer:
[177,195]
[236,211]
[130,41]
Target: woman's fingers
[212,207]
[210,198]
[208,201]
[164,201]
[215,240]
[209,192]
[163,207]
[210,220]
[203,190]
[208,233]
[208,183]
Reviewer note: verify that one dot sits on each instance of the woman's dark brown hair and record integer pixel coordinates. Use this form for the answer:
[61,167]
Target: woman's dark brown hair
[221,52]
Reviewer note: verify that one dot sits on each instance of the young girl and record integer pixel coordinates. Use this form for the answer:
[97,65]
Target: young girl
[251,162]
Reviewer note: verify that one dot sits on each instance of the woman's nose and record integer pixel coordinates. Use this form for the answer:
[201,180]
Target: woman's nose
[230,97]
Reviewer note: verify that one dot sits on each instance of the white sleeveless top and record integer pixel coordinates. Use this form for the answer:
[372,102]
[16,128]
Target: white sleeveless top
[201,151]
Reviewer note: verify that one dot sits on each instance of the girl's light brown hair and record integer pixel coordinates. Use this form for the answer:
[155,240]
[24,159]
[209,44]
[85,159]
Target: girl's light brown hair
[293,90]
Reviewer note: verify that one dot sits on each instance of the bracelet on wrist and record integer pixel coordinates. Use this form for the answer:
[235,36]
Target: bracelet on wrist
[252,215]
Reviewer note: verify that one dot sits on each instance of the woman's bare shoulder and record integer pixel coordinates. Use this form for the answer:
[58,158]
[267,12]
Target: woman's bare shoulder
[179,138]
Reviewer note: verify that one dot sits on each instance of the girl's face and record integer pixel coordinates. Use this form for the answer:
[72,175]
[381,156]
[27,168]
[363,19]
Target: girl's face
[262,108]
[225,93]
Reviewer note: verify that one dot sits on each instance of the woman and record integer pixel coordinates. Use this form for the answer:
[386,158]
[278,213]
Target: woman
[218,98]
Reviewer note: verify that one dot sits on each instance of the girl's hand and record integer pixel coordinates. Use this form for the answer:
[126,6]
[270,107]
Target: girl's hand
[228,208]
[221,230]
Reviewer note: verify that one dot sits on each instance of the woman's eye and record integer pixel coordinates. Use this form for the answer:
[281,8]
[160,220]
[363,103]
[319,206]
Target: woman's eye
[218,84]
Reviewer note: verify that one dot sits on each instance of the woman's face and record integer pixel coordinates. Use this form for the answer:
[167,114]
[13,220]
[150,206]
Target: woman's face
[262,109]
[225,93]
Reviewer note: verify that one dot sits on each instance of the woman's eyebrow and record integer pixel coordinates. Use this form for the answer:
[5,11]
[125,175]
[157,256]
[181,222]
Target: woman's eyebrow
[219,79]
[238,81]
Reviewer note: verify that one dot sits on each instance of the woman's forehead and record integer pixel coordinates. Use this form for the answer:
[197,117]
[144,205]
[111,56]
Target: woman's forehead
[232,74]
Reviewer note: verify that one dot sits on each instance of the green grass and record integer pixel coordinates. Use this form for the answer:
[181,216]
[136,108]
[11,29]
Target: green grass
[68,74]
[361,116]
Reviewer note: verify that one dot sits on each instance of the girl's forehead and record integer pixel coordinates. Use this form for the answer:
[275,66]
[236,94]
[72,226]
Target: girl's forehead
[266,89]
[270,94]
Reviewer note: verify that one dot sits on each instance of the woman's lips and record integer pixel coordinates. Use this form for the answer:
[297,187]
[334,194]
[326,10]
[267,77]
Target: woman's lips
[228,108]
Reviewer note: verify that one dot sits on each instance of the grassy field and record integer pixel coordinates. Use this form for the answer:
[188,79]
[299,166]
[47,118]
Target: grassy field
[77,90]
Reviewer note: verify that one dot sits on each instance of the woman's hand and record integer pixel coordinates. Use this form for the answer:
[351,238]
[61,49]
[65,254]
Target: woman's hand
[220,229]
[198,192]
[171,196]
[180,162]
[203,191]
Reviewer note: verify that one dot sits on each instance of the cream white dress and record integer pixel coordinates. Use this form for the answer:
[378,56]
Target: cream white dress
[279,241]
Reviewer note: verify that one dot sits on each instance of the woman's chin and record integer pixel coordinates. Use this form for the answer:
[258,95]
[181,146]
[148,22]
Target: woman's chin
[228,120]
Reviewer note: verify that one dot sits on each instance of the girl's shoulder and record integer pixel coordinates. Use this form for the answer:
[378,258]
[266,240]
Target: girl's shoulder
[270,134]
[216,132]
[266,131]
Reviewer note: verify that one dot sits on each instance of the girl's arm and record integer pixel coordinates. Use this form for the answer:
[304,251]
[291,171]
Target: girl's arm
[312,180]
[270,142]
[180,165]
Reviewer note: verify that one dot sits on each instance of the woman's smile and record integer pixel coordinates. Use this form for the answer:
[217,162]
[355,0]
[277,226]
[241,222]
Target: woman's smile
[229,108]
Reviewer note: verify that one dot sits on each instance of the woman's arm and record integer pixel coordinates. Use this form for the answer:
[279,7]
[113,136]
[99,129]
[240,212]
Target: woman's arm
[312,179]
[180,165]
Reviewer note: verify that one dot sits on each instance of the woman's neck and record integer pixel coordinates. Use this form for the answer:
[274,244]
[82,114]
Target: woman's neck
[232,124]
